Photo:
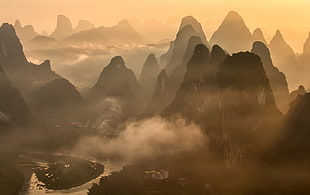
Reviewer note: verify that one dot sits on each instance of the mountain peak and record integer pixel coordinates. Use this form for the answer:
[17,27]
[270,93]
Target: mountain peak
[201,56]
[276,78]
[151,58]
[234,17]
[218,55]
[192,42]
[11,48]
[260,48]
[46,65]
[149,73]
[280,48]
[278,35]
[232,34]
[258,35]
[190,20]
[17,24]
[63,28]
[84,25]
[301,88]
[63,20]
[306,49]
[6,27]
[117,62]
[124,23]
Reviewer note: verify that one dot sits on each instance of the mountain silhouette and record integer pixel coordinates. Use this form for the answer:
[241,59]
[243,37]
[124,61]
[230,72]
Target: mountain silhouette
[40,41]
[162,95]
[282,54]
[63,28]
[12,57]
[197,92]
[122,33]
[276,78]
[300,91]
[25,33]
[190,20]
[258,35]
[232,34]
[178,73]
[155,29]
[245,94]
[56,94]
[25,76]
[217,91]
[306,48]
[284,58]
[293,145]
[150,71]
[197,95]
[56,101]
[84,25]
[118,82]
[191,98]
[13,108]
[176,52]
[305,57]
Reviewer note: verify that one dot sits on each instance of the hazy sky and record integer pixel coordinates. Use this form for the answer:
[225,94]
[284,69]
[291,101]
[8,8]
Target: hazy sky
[292,17]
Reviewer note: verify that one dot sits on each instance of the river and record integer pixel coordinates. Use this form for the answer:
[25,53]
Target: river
[32,185]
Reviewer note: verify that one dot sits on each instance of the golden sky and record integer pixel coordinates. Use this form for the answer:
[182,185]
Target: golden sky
[292,17]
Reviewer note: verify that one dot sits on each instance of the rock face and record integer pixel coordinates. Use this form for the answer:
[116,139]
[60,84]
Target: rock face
[218,55]
[178,73]
[197,95]
[220,90]
[119,82]
[56,102]
[294,145]
[25,33]
[276,78]
[189,27]
[116,80]
[192,98]
[259,36]
[298,92]
[13,108]
[12,57]
[162,95]
[84,25]
[63,28]
[122,33]
[26,76]
[149,74]
[56,94]
[232,34]
[245,95]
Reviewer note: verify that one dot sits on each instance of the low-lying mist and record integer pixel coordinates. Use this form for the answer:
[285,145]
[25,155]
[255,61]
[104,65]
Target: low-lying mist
[144,139]
[83,64]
